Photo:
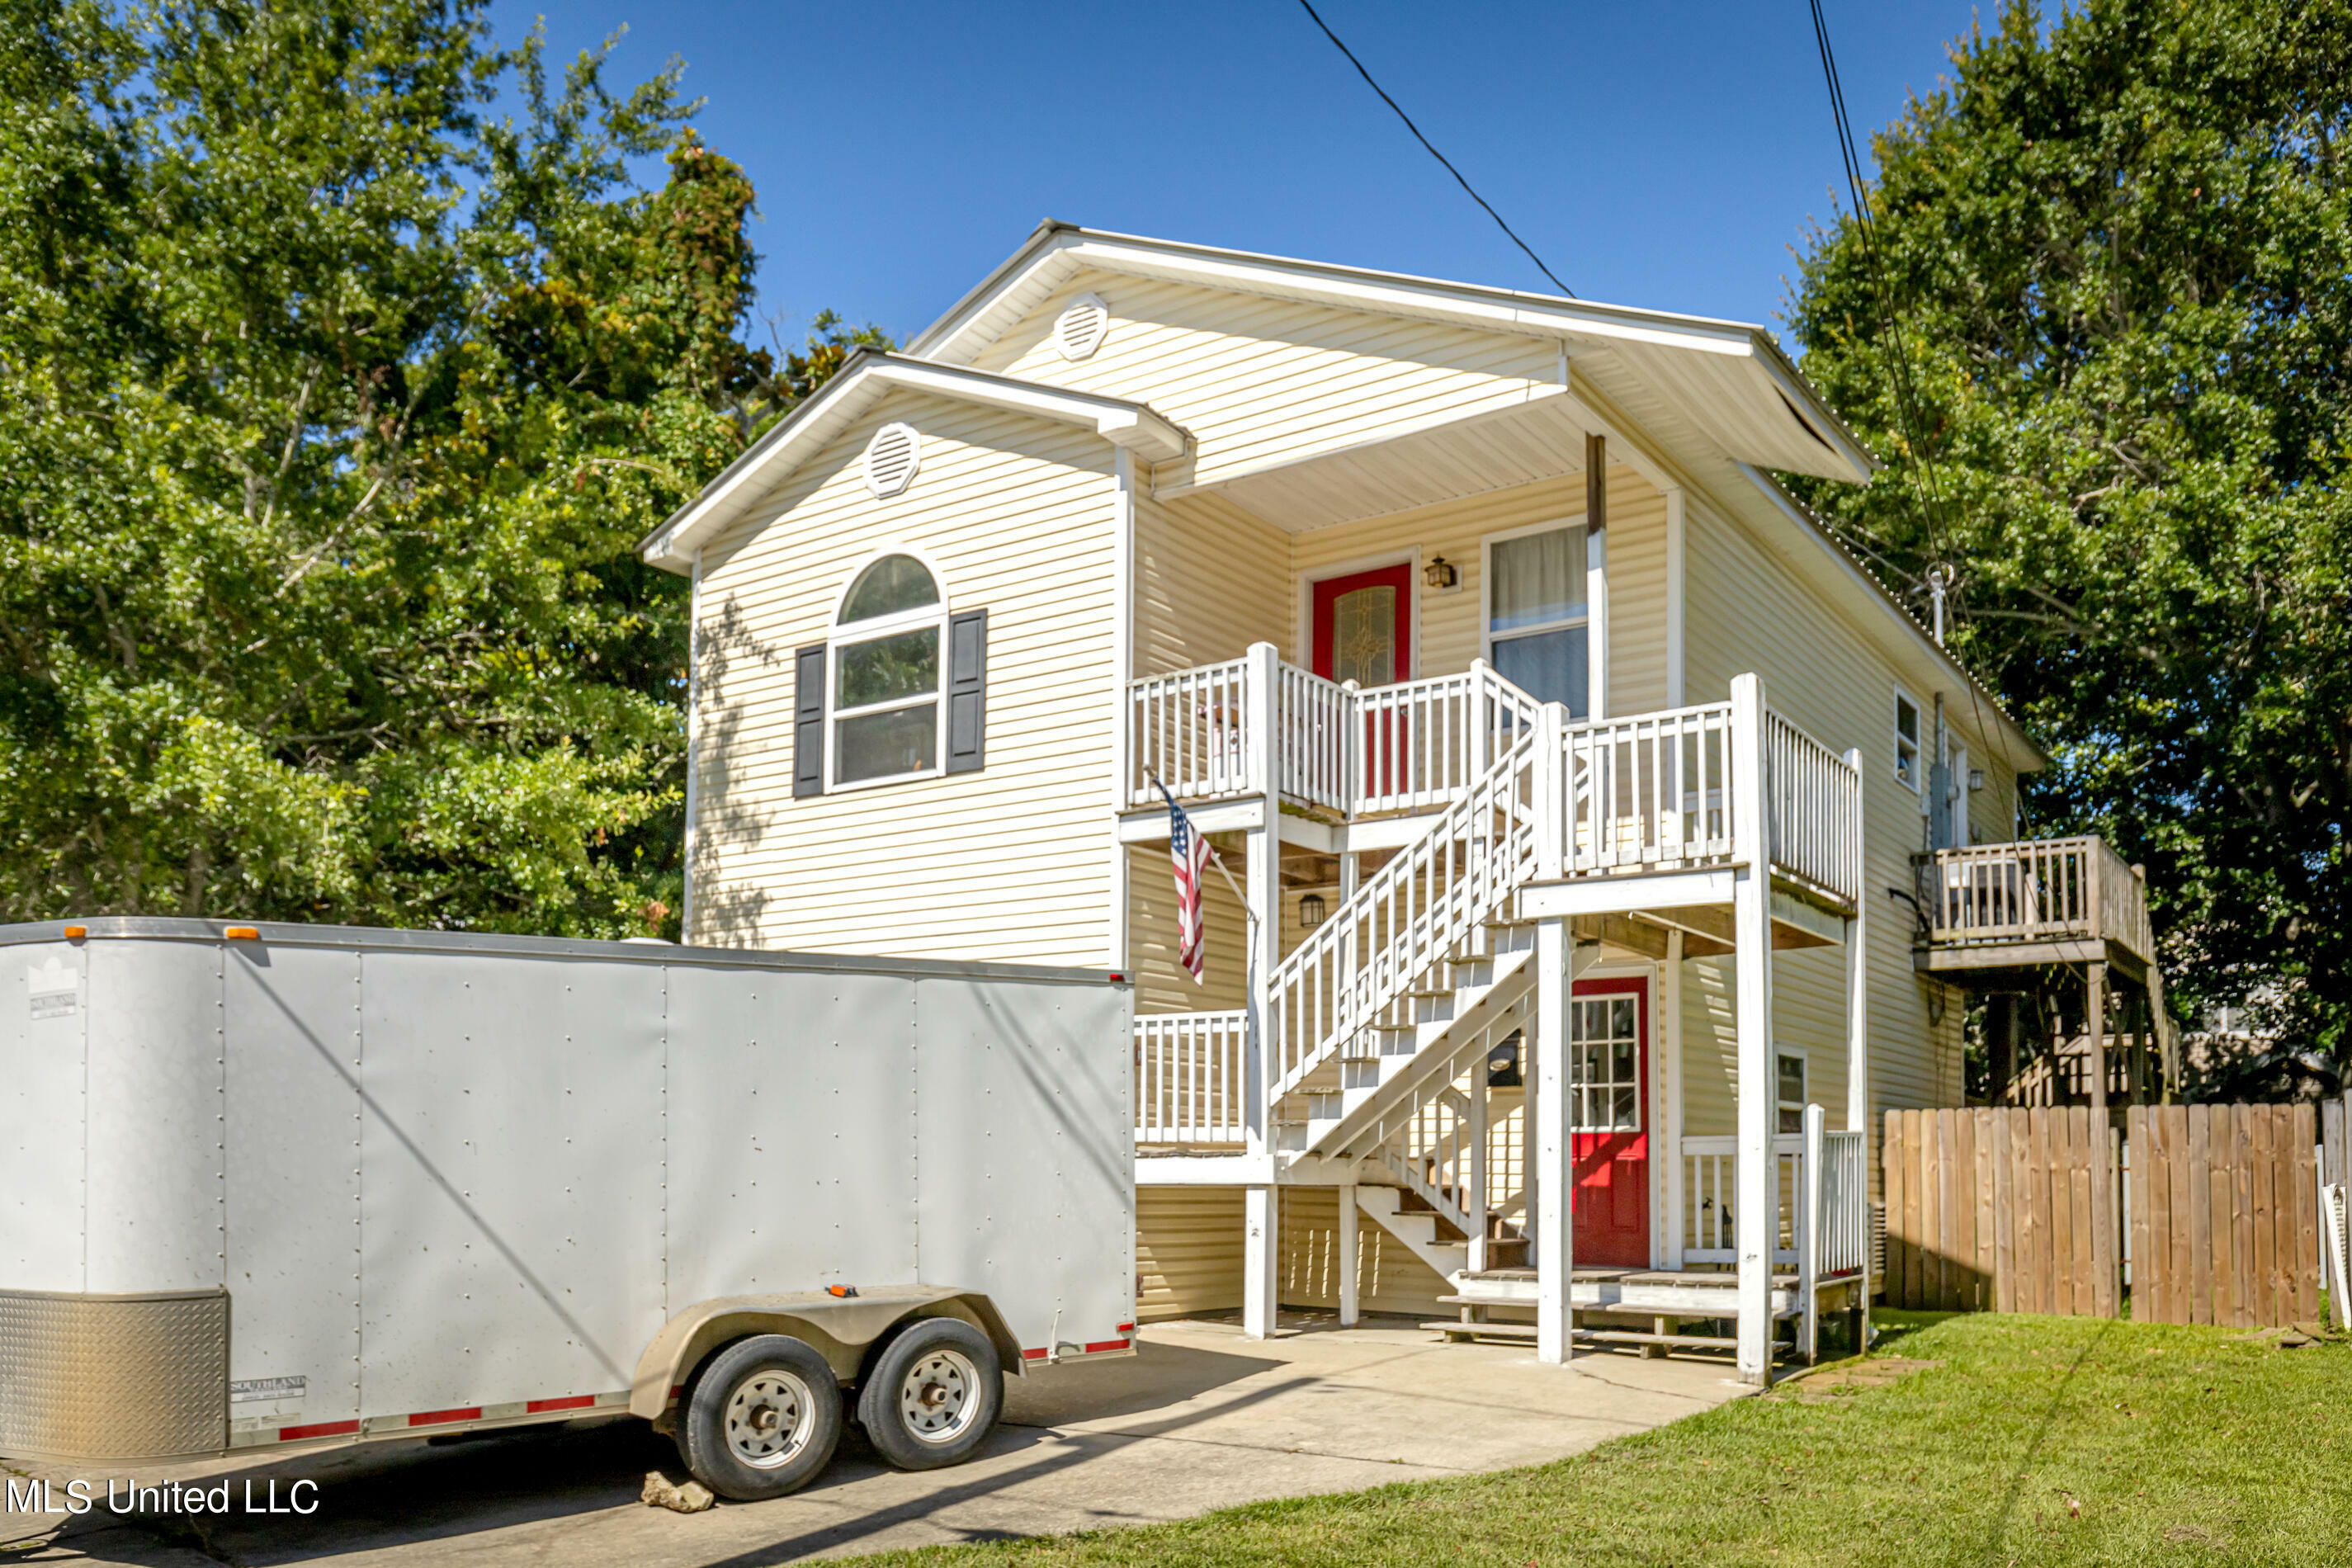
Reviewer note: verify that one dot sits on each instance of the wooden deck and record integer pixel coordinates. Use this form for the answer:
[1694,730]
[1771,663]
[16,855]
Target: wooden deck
[1990,908]
[1670,1299]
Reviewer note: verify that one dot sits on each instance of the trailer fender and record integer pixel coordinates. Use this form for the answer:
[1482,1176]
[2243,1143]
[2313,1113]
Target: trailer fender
[840,1329]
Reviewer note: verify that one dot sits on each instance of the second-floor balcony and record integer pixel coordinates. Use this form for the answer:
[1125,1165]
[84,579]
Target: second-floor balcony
[1649,793]
[2058,901]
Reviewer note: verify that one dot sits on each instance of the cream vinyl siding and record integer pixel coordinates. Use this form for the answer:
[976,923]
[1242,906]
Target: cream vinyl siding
[1188,1251]
[1447,623]
[1745,610]
[1010,863]
[1260,381]
[1210,580]
[1162,984]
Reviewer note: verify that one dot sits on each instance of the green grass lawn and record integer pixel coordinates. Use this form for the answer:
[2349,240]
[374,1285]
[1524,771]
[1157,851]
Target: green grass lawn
[2033,1441]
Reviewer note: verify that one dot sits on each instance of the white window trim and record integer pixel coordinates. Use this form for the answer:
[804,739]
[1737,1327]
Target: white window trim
[1486,635]
[839,637]
[1804,1062]
[1916,783]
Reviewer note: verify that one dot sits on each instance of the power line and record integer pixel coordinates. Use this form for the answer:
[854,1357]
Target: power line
[1434,153]
[1924,490]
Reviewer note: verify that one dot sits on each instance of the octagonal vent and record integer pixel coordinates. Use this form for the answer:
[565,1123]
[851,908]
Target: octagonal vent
[1081,327]
[891,459]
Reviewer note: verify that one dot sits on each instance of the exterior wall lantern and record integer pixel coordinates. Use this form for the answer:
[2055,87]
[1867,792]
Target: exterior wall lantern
[1311,910]
[1441,572]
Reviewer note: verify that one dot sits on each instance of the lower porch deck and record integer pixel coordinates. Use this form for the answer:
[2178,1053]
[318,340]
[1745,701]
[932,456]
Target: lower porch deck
[1609,1306]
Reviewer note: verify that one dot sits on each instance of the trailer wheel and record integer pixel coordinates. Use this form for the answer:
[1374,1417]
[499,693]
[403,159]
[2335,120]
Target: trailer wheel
[932,1395]
[762,1419]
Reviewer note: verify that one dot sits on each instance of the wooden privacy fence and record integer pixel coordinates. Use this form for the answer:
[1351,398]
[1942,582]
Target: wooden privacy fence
[2210,1211]
[2001,1211]
[2224,1214]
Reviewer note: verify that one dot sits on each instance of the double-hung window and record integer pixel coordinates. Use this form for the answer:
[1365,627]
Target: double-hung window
[889,648]
[1537,615]
[1907,741]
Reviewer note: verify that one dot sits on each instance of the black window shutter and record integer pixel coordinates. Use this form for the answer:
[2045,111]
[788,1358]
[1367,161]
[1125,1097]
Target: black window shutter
[808,720]
[967,690]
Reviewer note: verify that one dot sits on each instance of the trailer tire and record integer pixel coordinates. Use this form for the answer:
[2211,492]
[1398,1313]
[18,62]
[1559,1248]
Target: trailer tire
[932,1393]
[762,1419]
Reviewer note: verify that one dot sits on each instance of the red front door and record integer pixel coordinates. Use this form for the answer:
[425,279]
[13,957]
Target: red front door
[1609,1110]
[1363,625]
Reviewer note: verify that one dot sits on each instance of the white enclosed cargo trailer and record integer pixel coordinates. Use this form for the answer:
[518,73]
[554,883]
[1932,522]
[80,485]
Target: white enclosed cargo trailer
[290,1183]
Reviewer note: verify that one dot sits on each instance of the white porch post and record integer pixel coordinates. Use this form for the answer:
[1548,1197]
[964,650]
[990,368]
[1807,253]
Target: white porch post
[1349,1304]
[1857,970]
[1550,1179]
[1670,1036]
[1260,1224]
[1476,1198]
[1757,1220]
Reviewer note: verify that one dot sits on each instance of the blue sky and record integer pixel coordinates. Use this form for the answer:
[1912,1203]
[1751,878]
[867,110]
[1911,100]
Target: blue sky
[1665,156]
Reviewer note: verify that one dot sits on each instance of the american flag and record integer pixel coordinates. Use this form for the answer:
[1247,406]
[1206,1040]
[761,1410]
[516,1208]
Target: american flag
[1191,854]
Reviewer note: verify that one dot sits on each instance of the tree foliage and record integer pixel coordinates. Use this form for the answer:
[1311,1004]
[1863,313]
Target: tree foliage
[2117,253]
[330,404]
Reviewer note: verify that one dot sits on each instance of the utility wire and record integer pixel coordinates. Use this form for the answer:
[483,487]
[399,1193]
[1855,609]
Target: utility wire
[1924,489]
[1434,153]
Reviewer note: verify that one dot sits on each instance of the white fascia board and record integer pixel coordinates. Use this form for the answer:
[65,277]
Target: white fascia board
[1626,892]
[1055,251]
[2029,757]
[1129,425]
[866,376]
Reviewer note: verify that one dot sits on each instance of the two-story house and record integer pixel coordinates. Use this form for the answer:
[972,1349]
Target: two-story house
[1564,765]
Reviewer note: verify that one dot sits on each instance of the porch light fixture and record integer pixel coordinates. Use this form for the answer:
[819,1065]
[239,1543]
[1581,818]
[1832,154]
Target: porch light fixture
[1441,574]
[1311,910]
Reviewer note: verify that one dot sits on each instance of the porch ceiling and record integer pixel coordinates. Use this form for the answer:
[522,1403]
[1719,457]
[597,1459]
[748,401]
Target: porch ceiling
[1421,466]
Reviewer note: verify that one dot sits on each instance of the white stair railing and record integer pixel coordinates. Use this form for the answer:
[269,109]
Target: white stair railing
[1189,1086]
[1406,918]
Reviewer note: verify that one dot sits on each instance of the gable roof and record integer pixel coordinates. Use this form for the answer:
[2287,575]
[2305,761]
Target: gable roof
[863,379]
[1727,381]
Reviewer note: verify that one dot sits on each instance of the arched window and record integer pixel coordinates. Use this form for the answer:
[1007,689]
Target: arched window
[889,646]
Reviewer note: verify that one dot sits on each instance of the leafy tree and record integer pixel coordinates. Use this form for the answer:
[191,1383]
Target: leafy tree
[331,406]
[2117,259]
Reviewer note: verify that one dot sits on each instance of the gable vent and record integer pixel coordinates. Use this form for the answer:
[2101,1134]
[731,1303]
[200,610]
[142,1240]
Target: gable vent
[891,459]
[1081,327]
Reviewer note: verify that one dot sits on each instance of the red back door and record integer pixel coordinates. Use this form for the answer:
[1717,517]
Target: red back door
[1609,1109]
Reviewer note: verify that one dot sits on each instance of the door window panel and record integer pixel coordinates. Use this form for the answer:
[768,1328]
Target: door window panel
[1605,1058]
[1363,636]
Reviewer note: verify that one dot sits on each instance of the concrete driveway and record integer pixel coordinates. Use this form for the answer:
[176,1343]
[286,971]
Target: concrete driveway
[1200,1419]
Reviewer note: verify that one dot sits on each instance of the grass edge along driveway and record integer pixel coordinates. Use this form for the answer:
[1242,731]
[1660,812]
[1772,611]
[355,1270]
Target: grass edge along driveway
[2041,1441]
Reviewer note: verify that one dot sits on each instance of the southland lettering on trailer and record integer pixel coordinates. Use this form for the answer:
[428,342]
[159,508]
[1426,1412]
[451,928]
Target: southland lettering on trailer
[29,1496]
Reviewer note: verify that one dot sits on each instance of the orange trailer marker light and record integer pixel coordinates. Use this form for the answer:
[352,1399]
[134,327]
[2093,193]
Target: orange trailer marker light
[243,934]
[75,933]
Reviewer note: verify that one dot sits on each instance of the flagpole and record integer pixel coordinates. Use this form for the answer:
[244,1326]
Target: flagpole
[1214,859]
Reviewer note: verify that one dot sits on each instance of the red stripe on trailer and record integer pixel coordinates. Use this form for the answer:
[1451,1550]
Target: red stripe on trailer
[575,1401]
[443,1417]
[323,1429]
[1032,1356]
[1105,1345]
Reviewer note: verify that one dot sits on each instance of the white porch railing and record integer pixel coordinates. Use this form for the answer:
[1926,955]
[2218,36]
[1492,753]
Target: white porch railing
[1413,746]
[1832,1215]
[1812,798]
[1191,729]
[1405,918]
[1651,793]
[1189,1083]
